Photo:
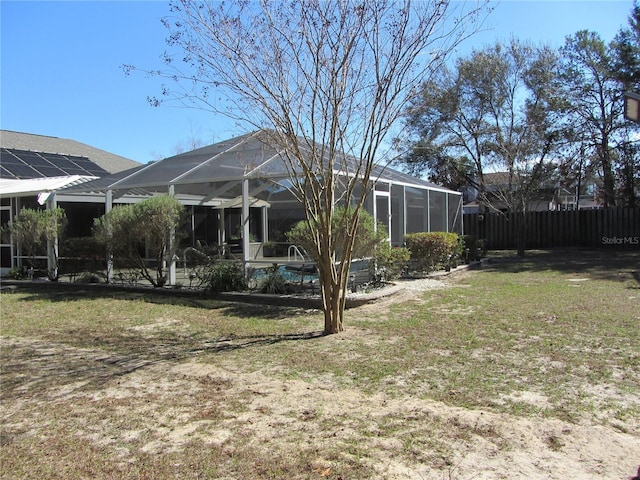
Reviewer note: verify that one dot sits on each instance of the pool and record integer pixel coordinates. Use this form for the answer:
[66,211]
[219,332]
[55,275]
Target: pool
[301,272]
[291,273]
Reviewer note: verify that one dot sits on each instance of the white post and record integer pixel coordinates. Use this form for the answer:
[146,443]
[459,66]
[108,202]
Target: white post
[172,246]
[108,199]
[222,236]
[265,225]
[446,209]
[52,246]
[427,213]
[405,210]
[245,222]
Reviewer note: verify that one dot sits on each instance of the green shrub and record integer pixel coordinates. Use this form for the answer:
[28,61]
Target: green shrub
[391,261]
[150,225]
[475,246]
[368,235]
[33,228]
[225,277]
[432,250]
[17,273]
[273,283]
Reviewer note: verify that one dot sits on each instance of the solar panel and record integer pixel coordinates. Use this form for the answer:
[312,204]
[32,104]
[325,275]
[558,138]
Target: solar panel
[7,158]
[89,166]
[75,170]
[49,171]
[21,171]
[34,160]
[26,164]
[4,173]
[61,161]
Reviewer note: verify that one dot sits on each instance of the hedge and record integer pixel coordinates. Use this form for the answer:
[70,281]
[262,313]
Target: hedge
[430,250]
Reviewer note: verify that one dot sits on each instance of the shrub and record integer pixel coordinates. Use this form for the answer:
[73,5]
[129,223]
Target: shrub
[225,277]
[127,230]
[368,235]
[430,250]
[391,261]
[33,228]
[475,246]
[16,273]
[273,282]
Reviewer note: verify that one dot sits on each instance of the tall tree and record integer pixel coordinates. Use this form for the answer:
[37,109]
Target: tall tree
[626,68]
[496,111]
[327,79]
[596,100]
[626,52]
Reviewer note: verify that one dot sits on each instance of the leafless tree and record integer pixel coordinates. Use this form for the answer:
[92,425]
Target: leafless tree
[327,80]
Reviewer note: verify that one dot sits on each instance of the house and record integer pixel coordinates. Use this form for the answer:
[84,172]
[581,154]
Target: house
[549,196]
[33,166]
[238,196]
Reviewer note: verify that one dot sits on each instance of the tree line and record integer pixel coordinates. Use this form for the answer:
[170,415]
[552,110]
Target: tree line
[537,115]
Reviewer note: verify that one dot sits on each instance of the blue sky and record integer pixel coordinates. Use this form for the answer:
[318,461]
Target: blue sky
[60,67]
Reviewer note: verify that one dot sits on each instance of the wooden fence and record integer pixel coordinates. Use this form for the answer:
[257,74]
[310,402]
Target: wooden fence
[549,229]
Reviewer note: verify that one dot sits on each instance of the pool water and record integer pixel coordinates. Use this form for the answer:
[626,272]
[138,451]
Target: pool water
[290,275]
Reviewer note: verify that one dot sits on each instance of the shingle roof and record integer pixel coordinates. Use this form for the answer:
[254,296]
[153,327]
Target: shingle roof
[41,143]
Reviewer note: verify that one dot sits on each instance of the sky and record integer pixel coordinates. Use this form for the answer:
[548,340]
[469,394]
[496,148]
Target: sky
[61,67]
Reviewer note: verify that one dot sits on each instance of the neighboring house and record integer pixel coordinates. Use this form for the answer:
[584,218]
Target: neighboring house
[547,197]
[34,166]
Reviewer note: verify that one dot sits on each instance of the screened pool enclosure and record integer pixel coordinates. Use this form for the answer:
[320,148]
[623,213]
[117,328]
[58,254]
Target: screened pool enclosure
[238,194]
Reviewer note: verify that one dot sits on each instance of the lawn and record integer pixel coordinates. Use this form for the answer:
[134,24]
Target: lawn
[526,368]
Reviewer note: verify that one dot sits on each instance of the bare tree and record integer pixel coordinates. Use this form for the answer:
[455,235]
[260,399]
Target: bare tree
[496,112]
[326,80]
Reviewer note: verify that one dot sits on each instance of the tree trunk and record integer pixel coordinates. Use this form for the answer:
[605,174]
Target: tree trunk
[332,297]
[608,181]
[521,229]
[333,314]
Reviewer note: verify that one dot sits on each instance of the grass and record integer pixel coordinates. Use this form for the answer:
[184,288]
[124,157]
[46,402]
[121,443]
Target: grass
[548,336]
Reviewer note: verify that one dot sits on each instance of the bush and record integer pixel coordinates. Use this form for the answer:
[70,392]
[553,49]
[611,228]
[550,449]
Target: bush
[225,277]
[33,228]
[391,261]
[475,246]
[368,235]
[273,282]
[432,250]
[81,254]
[129,230]
[17,273]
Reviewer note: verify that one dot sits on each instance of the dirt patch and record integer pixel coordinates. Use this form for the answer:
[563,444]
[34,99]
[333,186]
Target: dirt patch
[164,406]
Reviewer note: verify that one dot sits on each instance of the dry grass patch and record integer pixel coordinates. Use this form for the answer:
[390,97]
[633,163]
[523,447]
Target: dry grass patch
[512,371]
